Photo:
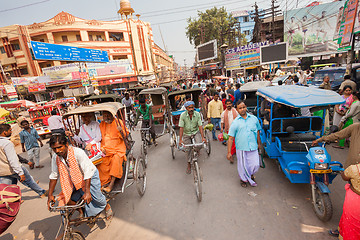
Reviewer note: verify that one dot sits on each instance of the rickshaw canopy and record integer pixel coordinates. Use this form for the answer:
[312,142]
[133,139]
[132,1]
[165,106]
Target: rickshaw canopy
[112,107]
[182,92]
[299,96]
[104,98]
[158,90]
[254,86]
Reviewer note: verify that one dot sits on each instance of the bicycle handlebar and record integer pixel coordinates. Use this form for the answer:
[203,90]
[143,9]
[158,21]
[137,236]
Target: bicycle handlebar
[193,145]
[67,207]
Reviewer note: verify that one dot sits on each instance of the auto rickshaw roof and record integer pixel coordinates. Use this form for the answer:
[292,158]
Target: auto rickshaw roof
[158,90]
[136,88]
[299,96]
[254,86]
[94,97]
[181,92]
[112,107]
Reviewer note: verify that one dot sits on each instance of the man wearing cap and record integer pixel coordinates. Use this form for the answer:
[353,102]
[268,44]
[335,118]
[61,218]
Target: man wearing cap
[190,125]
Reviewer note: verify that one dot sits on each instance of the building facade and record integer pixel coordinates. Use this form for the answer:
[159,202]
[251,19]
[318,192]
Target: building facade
[247,23]
[127,40]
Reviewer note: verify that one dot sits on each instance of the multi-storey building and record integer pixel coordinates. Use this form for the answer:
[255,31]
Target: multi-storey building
[128,39]
[247,23]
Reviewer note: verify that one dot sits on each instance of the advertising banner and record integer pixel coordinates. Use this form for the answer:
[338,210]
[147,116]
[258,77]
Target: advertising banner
[37,87]
[17,81]
[111,68]
[347,22]
[244,56]
[312,29]
[67,72]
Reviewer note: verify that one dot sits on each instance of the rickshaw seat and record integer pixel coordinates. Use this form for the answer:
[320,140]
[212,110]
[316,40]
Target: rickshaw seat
[299,124]
[287,137]
[158,111]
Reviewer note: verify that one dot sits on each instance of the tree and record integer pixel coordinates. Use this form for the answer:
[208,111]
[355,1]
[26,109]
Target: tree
[214,23]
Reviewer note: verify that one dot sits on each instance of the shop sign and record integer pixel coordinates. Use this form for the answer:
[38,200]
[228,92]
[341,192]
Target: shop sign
[347,23]
[37,87]
[10,91]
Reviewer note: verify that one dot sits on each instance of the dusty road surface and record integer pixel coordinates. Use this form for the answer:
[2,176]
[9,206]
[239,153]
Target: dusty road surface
[276,209]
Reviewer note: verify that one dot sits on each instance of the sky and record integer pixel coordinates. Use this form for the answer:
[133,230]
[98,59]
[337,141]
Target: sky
[166,16]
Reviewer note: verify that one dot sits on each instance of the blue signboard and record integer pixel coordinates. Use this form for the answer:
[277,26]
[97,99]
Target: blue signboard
[56,52]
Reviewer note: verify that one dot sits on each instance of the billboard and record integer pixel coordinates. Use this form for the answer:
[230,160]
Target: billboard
[347,22]
[207,51]
[274,53]
[66,72]
[311,29]
[111,68]
[48,51]
[244,56]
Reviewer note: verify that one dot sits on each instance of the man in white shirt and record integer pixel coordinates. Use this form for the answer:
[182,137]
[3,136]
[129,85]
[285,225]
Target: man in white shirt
[11,169]
[227,117]
[79,178]
[55,123]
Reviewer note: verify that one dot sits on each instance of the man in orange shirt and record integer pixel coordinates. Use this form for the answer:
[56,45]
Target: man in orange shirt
[114,148]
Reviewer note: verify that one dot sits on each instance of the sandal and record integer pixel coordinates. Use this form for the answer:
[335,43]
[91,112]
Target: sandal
[109,214]
[243,184]
[334,233]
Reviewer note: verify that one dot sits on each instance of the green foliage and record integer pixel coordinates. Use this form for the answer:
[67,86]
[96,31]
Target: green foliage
[215,23]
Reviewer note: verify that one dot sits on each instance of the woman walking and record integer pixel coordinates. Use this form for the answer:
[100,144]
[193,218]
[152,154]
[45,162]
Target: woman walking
[340,110]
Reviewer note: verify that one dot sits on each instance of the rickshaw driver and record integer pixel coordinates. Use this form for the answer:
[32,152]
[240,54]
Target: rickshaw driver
[190,125]
[79,178]
[114,148]
[147,122]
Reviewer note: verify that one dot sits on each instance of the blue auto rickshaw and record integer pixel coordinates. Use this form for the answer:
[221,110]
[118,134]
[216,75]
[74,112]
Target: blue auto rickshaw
[286,136]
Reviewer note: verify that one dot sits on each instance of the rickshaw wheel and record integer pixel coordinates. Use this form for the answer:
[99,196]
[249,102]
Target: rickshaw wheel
[172,144]
[144,154]
[323,206]
[208,143]
[75,235]
[197,181]
[140,176]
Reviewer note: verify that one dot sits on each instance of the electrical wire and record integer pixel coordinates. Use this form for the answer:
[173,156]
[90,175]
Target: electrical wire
[27,5]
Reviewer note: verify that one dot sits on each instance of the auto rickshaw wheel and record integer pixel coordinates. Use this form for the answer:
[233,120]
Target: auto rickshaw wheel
[322,206]
[208,143]
[140,176]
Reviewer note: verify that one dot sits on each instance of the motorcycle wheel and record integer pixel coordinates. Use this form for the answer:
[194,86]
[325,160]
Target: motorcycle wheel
[323,206]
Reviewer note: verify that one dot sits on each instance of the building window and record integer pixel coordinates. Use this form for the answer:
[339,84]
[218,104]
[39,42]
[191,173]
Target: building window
[42,40]
[2,50]
[247,32]
[118,57]
[91,38]
[116,36]
[246,18]
[24,71]
[15,46]
[78,38]
[99,38]
[64,38]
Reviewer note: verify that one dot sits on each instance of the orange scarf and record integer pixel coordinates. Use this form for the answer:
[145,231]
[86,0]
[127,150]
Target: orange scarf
[69,181]
[226,118]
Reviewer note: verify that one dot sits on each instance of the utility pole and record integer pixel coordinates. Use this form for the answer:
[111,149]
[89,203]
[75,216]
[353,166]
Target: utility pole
[256,29]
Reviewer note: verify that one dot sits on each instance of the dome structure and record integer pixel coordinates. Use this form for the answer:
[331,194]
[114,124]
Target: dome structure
[125,8]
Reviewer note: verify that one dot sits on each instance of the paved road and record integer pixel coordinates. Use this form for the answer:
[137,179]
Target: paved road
[276,209]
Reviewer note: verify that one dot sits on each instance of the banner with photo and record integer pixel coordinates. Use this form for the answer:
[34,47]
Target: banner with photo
[65,72]
[312,29]
[244,56]
[113,67]
[347,23]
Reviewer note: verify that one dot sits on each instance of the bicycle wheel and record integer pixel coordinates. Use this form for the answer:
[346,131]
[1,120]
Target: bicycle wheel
[208,143]
[172,145]
[144,153]
[140,176]
[197,181]
[73,235]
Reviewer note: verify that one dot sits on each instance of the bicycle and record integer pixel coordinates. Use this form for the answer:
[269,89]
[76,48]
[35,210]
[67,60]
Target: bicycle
[195,166]
[68,223]
[145,142]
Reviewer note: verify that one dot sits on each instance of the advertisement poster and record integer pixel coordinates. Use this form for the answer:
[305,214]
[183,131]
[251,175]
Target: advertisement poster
[37,87]
[113,67]
[312,29]
[347,22]
[244,56]
[67,72]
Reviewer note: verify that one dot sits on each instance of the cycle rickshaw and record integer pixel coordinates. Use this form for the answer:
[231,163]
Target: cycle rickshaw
[287,137]
[160,111]
[133,169]
[197,98]
[249,89]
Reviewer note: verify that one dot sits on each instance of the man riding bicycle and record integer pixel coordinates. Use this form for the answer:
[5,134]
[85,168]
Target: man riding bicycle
[145,111]
[190,125]
[128,102]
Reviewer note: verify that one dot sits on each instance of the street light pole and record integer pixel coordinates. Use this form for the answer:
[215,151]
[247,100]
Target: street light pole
[223,48]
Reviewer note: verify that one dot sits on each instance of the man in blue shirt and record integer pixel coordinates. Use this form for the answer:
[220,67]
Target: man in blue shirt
[246,131]
[29,139]
[237,94]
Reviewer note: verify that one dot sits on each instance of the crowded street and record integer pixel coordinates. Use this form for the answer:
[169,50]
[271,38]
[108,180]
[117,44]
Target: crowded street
[181,120]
